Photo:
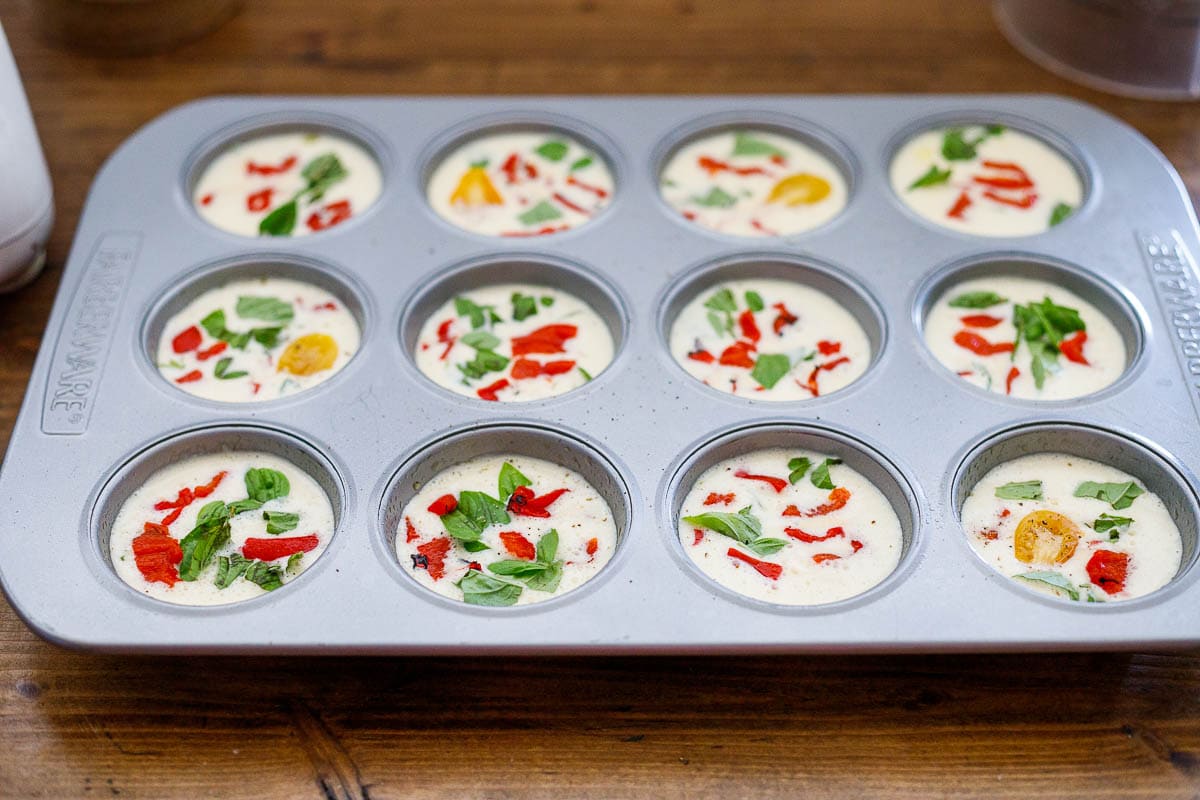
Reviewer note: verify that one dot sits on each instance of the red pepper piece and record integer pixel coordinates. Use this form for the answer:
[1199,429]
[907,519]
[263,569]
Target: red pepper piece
[332,214]
[837,500]
[827,348]
[1019,179]
[1009,165]
[561,199]
[184,498]
[518,546]
[271,549]
[764,568]
[1026,201]
[216,349]
[791,511]
[443,505]
[475,565]
[410,531]
[1108,570]
[443,335]
[1072,349]
[593,545]
[524,368]
[260,200]
[981,346]
[190,377]
[1013,374]
[330,306]
[557,367]
[433,557]
[960,205]
[489,392]
[763,229]
[157,554]
[718,499]
[524,504]
[546,340]
[811,383]
[783,319]
[778,484]
[837,362]
[511,167]
[187,341]
[738,355]
[821,558]
[712,166]
[544,231]
[832,533]
[255,387]
[206,200]
[749,326]
[211,486]
[596,190]
[981,320]
[698,536]
[169,519]
[856,545]
[702,356]
[267,169]
[1004,513]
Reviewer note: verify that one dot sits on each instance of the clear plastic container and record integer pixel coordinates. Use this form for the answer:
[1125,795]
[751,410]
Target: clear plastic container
[1140,48]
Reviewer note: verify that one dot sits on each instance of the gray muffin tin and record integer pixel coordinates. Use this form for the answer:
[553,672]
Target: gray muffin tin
[97,417]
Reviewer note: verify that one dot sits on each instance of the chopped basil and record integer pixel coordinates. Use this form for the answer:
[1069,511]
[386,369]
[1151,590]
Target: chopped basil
[293,563]
[280,222]
[229,569]
[1060,213]
[587,376]
[754,301]
[484,590]
[1118,495]
[461,527]
[716,198]
[542,212]
[1113,526]
[214,324]
[547,300]
[321,173]
[766,546]
[281,521]
[221,370]
[955,146]
[742,527]
[552,150]
[745,144]
[977,300]
[268,576]
[543,574]
[769,369]
[547,546]
[581,163]
[524,306]
[480,340]
[473,546]
[722,305]
[212,532]
[1054,581]
[798,469]
[264,484]
[510,479]
[933,177]
[1046,320]
[480,315]
[485,361]
[482,508]
[270,309]
[820,477]
[239,506]
[1020,490]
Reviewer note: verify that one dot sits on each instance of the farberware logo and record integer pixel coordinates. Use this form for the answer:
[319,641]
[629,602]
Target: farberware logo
[82,350]
[1173,274]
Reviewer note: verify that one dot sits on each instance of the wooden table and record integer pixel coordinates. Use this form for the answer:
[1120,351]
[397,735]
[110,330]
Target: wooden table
[74,725]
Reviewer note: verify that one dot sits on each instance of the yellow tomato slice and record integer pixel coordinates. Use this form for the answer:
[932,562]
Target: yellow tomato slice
[801,189]
[1045,537]
[475,188]
[308,354]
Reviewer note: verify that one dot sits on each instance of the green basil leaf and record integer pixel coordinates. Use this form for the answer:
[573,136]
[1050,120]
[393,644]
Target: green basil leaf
[547,580]
[1060,213]
[769,369]
[1038,367]
[1118,495]
[524,306]
[239,506]
[587,376]
[718,323]
[216,510]
[765,546]
[1113,526]
[280,222]
[321,173]
[510,479]
[994,129]
[722,300]
[473,545]
[268,576]
[201,544]
[465,307]
[798,469]
[977,300]
[547,546]
[581,163]
[229,569]
[1052,580]
[214,324]
[267,337]
[933,177]
[542,212]
[820,477]
[517,568]
[1020,490]
[955,146]
[547,300]
[485,361]
[281,521]
[483,590]
[745,144]
[264,485]
[221,370]
[482,509]
[743,526]
[553,150]
[480,340]
[270,309]
[716,198]
[293,564]
[755,302]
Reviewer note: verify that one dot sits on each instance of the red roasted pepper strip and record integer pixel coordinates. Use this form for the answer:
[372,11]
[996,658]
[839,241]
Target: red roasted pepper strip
[783,319]
[524,504]
[778,484]
[431,557]
[827,348]
[190,377]
[832,533]
[157,554]
[981,346]
[260,200]
[738,355]
[593,545]
[271,549]
[749,326]
[546,340]
[410,531]
[211,486]
[1072,349]
[714,499]
[187,340]
[1013,374]
[267,169]
[489,392]
[712,166]
[960,206]
[215,350]
[698,536]
[981,320]
[1108,570]
[821,558]
[332,214]
[1026,201]
[764,568]
[443,505]
[518,546]
[703,356]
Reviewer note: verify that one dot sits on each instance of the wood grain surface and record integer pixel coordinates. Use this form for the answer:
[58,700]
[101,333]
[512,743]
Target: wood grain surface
[76,725]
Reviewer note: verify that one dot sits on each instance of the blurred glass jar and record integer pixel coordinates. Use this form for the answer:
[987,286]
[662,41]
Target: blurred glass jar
[1139,48]
[129,27]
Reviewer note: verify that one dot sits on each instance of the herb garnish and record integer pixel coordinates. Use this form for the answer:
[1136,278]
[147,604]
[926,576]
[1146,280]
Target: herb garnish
[281,521]
[955,146]
[221,370]
[480,315]
[552,150]
[754,301]
[1060,213]
[744,144]
[1043,326]
[716,198]
[542,212]
[212,532]
[214,324]
[798,468]
[1112,525]
[742,527]
[977,300]
[542,574]
[1020,490]
[1053,580]
[721,303]
[933,177]
[820,477]
[769,369]
[268,309]
[524,306]
[1118,495]
[320,173]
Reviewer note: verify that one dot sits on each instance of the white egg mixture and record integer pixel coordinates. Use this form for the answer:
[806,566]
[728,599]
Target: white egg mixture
[753,183]
[769,339]
[257,339]
[986,180]
[971,330]
[520,184]
[149,545]
[1115,542]
[287,184]
[513,342]
[808,531]
[509,555]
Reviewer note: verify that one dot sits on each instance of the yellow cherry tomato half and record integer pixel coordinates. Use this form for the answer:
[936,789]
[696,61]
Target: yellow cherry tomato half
[308,354]
[801,189]
[475,188]
[1045,537]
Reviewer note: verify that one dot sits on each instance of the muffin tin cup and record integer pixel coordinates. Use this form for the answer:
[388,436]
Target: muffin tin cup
[97,415]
